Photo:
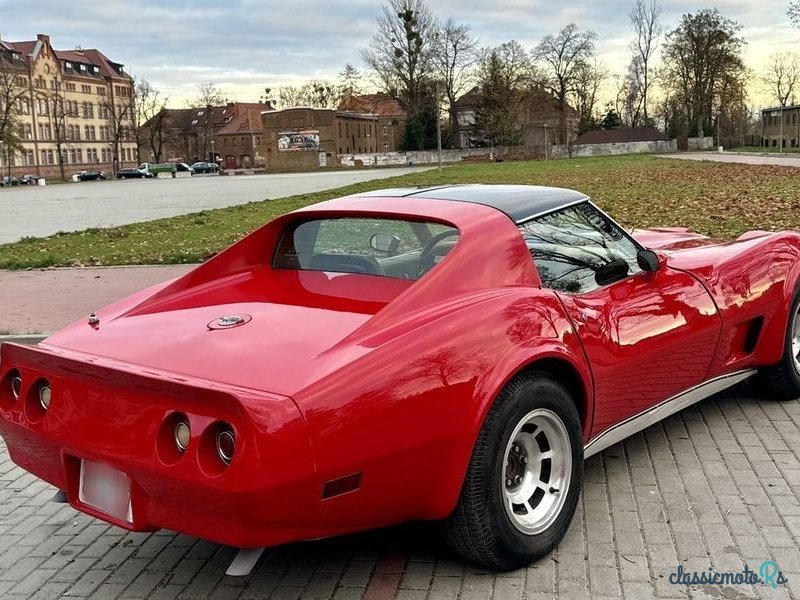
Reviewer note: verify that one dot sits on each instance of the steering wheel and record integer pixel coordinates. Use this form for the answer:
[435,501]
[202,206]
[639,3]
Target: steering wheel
[426,256]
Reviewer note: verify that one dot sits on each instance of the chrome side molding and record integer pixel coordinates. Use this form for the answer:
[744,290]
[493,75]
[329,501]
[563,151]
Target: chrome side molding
[653,415]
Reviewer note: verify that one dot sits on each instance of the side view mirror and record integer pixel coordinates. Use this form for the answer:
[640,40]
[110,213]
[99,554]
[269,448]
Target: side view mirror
[648,260]
[611,272]
[383,242]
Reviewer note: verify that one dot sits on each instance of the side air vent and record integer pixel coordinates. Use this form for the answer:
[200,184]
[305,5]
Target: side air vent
[753,334]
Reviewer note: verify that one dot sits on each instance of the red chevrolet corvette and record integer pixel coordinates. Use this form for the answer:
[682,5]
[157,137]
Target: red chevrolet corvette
[451,353]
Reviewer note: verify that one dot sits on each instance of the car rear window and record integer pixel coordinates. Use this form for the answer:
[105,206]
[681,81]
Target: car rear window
[368,246]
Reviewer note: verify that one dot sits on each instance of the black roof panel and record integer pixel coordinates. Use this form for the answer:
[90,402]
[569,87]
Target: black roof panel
[519,202]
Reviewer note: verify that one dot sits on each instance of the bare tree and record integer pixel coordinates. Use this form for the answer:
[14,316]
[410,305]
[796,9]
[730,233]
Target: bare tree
[454,53]
[58,122]
[563,55]
[400,57]
[290,96]
[119,114]
[12,94]
[208,94]
[399,53]
[646,21]
[150,123]
[589,77]
[782,75]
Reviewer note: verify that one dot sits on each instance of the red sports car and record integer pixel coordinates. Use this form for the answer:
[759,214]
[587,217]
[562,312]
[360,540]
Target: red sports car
[450,353]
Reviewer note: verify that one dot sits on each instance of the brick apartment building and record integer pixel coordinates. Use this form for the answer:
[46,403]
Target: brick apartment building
[780,123]
[391,118]
[78,99]
[307,138]
[228,134]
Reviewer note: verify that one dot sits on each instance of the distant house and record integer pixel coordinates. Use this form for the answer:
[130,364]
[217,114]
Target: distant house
[539,119]
[466,109]
[391,118]
[780,126]
[238,141]
[621,135]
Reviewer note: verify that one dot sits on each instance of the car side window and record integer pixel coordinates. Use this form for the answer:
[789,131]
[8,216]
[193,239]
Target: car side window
[569,246]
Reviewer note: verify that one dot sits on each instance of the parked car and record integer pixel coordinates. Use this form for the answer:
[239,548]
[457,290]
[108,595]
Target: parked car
[205,167]
[155,168]
[184,168]
[91,175]
[30,179]
[10,181]
[133,173]
[451,353]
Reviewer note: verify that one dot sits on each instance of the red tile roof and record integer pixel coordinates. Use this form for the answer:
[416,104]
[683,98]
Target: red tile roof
[23,47]
[379,104]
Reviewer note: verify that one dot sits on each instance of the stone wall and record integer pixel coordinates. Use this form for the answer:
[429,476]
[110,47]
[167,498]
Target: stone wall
[703,143]
[430,157]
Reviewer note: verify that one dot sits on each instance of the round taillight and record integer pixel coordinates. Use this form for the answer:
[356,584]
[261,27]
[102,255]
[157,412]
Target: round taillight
[182,435]
[45,395]
[226,444]
[16,386]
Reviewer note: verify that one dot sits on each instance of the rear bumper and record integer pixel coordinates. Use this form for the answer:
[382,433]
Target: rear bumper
[268,495]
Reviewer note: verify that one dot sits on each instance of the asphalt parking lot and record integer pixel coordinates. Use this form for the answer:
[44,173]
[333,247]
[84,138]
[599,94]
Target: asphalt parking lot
[713,486]
[40,211]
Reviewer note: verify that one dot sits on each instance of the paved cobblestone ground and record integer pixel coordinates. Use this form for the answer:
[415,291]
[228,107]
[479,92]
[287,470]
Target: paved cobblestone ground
[714,486]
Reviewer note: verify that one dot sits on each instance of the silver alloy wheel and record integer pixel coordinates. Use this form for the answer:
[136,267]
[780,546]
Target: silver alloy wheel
[796,339]
[537,471]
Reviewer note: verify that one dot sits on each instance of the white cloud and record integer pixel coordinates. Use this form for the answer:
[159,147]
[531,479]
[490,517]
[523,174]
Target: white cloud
[246,45]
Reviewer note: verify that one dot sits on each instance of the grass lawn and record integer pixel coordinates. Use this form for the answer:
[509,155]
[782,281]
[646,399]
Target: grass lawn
[719,199]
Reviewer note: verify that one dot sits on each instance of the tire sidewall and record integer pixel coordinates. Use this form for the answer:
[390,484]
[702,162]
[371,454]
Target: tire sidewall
[788,358]
[524,398]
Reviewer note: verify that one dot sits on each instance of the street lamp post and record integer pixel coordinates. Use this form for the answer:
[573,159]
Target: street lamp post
[780,142]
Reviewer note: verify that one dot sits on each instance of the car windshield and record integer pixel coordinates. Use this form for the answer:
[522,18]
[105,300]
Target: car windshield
[384,247]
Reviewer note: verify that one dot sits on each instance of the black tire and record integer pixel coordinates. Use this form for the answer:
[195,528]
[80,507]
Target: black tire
[480,529]
[781,381]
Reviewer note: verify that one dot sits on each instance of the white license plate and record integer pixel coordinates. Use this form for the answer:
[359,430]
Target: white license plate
[106,489]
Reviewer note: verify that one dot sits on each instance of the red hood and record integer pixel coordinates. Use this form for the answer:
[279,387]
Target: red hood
[672,238]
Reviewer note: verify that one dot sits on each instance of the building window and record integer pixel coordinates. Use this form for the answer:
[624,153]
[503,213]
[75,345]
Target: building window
[50,157]
[28,131]
[385,130]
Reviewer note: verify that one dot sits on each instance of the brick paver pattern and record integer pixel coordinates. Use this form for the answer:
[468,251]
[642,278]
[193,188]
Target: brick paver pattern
[716,485]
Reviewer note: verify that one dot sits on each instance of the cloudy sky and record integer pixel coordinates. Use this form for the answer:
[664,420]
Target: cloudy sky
[245,45]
